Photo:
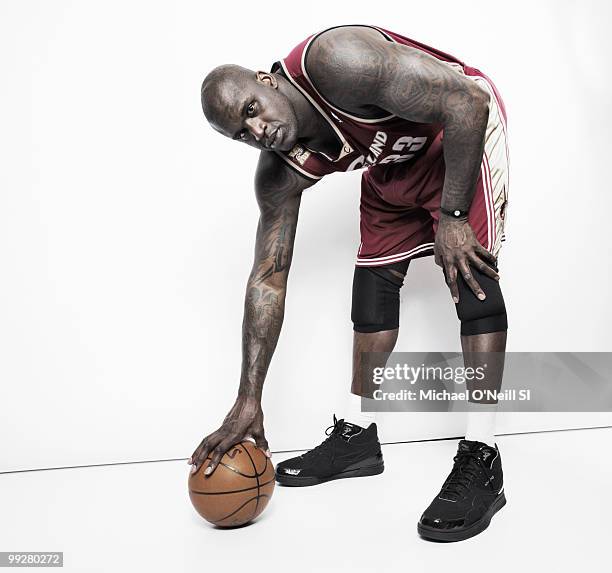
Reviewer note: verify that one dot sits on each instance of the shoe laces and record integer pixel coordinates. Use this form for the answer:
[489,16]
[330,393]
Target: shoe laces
[332,432]
[466,469]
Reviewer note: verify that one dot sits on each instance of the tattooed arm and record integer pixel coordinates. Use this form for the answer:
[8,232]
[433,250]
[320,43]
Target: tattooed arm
[359,70]
[278,190]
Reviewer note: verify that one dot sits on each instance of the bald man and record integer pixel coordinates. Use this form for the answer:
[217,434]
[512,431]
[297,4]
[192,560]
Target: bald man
[429,133]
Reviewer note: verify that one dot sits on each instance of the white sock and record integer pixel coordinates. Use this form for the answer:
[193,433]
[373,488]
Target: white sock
[481,423]
[354,415]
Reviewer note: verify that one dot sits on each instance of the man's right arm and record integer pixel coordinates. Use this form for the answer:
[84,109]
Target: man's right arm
[278,189]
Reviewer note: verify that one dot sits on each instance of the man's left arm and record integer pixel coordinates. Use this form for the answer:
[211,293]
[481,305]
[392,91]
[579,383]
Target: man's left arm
[421,88]
[418,87]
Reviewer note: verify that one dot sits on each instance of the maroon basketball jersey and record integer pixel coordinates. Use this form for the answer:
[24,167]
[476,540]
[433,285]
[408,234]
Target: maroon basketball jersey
[362,142]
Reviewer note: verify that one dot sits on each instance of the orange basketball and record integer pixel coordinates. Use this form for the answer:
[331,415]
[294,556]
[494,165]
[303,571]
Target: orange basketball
[237,491]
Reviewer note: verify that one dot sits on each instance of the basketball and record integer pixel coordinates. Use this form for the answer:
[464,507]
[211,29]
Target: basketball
[237,491]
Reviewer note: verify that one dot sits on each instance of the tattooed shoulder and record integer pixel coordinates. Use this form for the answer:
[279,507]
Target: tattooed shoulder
[346,65]
[276,182]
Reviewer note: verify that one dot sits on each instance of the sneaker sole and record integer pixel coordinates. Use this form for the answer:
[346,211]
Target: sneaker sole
[479,526]
[369,467]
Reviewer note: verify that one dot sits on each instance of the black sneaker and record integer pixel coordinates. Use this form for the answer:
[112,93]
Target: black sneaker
[471,495]
[349,451]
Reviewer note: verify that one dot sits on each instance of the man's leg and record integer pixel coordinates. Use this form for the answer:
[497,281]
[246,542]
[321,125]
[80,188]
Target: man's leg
[359,403]
[484,325]
[352,448]
[375,316]
[474,490]
[480,349]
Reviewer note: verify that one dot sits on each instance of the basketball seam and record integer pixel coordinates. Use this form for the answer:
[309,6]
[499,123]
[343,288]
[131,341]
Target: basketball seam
[234,491]
[256,477]
[218,521]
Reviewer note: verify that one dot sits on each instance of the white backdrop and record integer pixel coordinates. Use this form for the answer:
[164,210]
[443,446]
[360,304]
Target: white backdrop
[127,224]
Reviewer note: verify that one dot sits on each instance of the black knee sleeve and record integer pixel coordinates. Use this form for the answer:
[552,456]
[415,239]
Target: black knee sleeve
[480,316]
[376,299]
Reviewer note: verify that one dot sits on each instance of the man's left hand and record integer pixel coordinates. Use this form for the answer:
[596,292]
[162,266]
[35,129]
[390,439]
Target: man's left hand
[456,248]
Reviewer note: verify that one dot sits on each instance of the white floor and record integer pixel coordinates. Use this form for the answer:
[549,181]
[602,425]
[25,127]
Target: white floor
[137,517]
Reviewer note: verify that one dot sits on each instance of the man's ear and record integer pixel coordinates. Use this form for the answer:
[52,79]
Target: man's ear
[267,78]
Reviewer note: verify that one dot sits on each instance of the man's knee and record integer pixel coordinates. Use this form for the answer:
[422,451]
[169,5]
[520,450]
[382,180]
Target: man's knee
[481,316]
[376,300]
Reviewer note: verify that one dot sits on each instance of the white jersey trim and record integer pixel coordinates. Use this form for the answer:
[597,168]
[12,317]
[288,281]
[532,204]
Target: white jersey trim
[346,146]
[495,169]
[378,261]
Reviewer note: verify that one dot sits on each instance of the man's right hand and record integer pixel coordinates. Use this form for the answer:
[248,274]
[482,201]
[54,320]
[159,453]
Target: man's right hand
[244,420]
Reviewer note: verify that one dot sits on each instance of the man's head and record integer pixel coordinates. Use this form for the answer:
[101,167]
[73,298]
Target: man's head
[248,106]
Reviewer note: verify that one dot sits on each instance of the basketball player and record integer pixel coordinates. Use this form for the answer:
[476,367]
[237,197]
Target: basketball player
[429,133]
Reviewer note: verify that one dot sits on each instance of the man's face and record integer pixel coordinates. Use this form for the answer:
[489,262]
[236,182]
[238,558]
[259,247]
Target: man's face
[255,112]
